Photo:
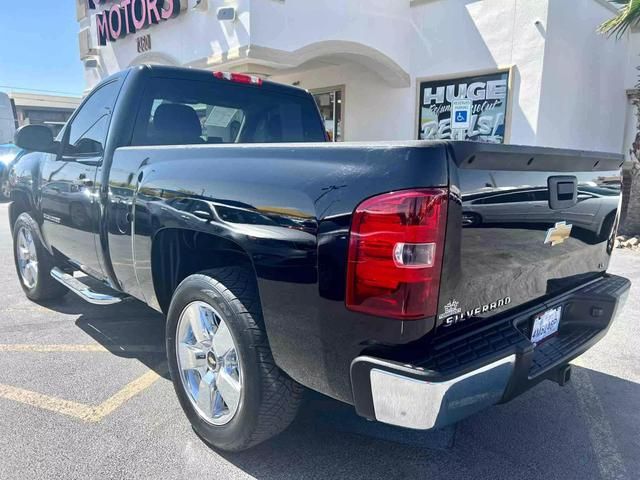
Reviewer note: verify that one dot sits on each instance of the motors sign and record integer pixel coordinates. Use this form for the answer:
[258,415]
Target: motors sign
[487,95]
[128,16]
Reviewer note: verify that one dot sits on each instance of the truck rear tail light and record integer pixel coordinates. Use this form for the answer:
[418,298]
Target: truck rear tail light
[395,254]
[238,78]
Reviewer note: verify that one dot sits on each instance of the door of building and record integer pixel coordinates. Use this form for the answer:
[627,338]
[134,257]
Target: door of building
[331,104]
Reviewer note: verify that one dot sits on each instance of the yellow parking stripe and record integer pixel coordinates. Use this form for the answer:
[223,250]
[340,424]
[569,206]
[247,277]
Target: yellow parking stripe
[81,348]
[131,390]
[87,413]
[58,405]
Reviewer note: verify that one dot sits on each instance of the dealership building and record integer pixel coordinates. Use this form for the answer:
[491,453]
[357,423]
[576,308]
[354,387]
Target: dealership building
[534,72]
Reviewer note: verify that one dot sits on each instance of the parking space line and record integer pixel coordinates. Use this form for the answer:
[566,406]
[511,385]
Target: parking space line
[87,413]
[128,392]
[81,411]
[81,348]
[46,402]
[610,462]
[23,309]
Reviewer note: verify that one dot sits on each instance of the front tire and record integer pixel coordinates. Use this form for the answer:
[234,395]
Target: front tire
[222,368]
[34,262]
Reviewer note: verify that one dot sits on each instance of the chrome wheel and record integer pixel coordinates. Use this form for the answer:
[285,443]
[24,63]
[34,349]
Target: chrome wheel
[27,258]
[209,363]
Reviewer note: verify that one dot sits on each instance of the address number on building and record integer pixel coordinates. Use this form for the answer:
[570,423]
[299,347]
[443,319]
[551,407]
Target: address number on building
[144,43]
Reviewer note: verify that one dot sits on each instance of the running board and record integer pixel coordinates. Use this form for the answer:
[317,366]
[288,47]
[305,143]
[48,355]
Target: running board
[85,291]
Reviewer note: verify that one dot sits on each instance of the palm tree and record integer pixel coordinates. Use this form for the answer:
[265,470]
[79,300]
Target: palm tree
[628,17]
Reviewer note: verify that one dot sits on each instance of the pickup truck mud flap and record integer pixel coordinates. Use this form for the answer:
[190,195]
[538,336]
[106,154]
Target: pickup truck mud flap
[489,365]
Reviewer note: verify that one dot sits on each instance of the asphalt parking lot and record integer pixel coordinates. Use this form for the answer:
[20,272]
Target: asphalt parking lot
[84,394]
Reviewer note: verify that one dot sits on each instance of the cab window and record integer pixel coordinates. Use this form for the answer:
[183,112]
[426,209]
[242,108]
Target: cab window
[184,112]
[87,131]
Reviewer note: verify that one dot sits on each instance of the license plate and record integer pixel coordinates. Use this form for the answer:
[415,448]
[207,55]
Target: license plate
[545,324]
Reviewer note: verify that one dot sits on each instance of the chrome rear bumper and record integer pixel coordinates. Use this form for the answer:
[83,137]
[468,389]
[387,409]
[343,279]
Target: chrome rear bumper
[491,365]
[399,398]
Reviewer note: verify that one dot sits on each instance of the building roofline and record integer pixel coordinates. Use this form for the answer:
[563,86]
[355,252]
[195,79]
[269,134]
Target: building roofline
[38,100]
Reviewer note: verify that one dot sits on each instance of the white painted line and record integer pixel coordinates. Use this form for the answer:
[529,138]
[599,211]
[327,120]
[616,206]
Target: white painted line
[610,462]
[613,369]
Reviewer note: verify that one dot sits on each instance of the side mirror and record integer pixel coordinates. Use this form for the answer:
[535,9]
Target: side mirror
[36,138]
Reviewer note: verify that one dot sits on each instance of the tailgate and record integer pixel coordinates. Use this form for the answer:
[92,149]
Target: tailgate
[524,223]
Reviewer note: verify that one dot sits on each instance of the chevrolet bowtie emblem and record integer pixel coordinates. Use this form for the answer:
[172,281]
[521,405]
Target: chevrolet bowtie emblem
[558,234]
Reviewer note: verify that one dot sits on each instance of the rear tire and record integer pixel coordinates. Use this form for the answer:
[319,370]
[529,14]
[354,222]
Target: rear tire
[34,262]
[266,400]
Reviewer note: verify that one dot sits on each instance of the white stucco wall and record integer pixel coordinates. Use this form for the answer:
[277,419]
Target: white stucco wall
[382,25]
[583,101]
[446,39]
[458,37]
[632,70]
[373,110]
[567,82]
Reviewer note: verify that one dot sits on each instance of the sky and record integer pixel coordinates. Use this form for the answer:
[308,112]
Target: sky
[39,46]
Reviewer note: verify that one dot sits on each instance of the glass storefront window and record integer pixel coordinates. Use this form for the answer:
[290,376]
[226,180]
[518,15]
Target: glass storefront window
[331,103]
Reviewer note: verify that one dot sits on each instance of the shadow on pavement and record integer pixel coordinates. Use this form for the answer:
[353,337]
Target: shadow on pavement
[129,329]
[587,430]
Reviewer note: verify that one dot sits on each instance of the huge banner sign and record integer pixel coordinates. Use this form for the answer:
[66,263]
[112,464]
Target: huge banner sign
[129,16]
[488,94]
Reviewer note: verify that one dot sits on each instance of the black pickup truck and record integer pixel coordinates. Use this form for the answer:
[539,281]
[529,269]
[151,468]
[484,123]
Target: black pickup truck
[420,282]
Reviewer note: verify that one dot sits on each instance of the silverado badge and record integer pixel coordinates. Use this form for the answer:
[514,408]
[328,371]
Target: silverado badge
[558,234]
[453,314]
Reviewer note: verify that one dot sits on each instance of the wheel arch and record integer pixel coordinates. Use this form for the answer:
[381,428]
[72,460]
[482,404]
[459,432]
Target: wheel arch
[177,253]
[20,203]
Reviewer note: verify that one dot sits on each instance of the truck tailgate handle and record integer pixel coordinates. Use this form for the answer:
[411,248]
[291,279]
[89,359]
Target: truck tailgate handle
[563,191]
